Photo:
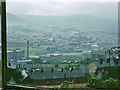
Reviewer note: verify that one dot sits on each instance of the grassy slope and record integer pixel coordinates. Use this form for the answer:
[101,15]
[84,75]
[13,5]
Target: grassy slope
[85,21]
[60,22]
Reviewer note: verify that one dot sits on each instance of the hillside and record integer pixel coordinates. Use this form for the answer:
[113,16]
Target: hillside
[79,22]
[13,20]
[86,20]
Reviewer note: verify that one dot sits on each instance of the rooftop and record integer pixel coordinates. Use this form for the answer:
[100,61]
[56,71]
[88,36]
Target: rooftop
[56,74]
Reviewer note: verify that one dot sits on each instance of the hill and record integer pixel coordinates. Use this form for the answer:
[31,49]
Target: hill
[31,23]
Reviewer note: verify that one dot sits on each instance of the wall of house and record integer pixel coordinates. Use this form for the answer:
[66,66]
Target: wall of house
[55,81]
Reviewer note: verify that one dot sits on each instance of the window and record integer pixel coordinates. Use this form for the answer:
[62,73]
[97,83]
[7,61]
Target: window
[59,44]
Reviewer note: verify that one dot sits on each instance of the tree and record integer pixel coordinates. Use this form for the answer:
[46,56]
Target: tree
[116,61]
[56,65]
[19,66]
[65,84]
[52,70]
[42,70]
[71,69]
[67,67]
[101,61]
[31,71]
[95,82]
[96,72]
[112,83]
[37,60]
[62,69]
[108,60]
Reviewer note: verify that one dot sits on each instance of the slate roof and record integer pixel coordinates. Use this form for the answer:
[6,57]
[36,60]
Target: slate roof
[98,52]
[97,64]
[105,64]
[12,81]
[84,66]
[56,74]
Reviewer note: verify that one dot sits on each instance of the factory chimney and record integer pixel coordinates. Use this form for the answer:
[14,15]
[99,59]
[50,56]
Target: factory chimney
[27,49]
[79,39]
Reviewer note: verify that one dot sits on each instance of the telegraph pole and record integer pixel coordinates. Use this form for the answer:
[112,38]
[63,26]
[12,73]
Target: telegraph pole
[4,44]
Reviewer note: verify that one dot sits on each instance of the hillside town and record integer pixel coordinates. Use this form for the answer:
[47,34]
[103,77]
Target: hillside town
[74,58]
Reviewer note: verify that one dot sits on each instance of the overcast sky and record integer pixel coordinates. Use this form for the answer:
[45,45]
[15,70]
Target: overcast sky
[63,0]
[56,7]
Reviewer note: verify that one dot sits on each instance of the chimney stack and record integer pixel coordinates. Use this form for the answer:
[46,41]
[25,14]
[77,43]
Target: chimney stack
[27,49]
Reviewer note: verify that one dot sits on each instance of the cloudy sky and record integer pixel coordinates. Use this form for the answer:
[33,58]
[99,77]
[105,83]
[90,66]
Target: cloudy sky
[62,0]
[58,7]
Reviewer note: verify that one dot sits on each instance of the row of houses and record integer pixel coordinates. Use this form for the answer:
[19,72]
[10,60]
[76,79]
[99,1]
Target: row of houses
[57,76]
[53,77]
[78,76]
[42,78]
[14,55]
[23,64]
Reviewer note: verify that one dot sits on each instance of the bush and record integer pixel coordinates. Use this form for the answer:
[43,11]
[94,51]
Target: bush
[113,73]
[56,65]
[95,82]
[67,67]
[65,84]
[112,83]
